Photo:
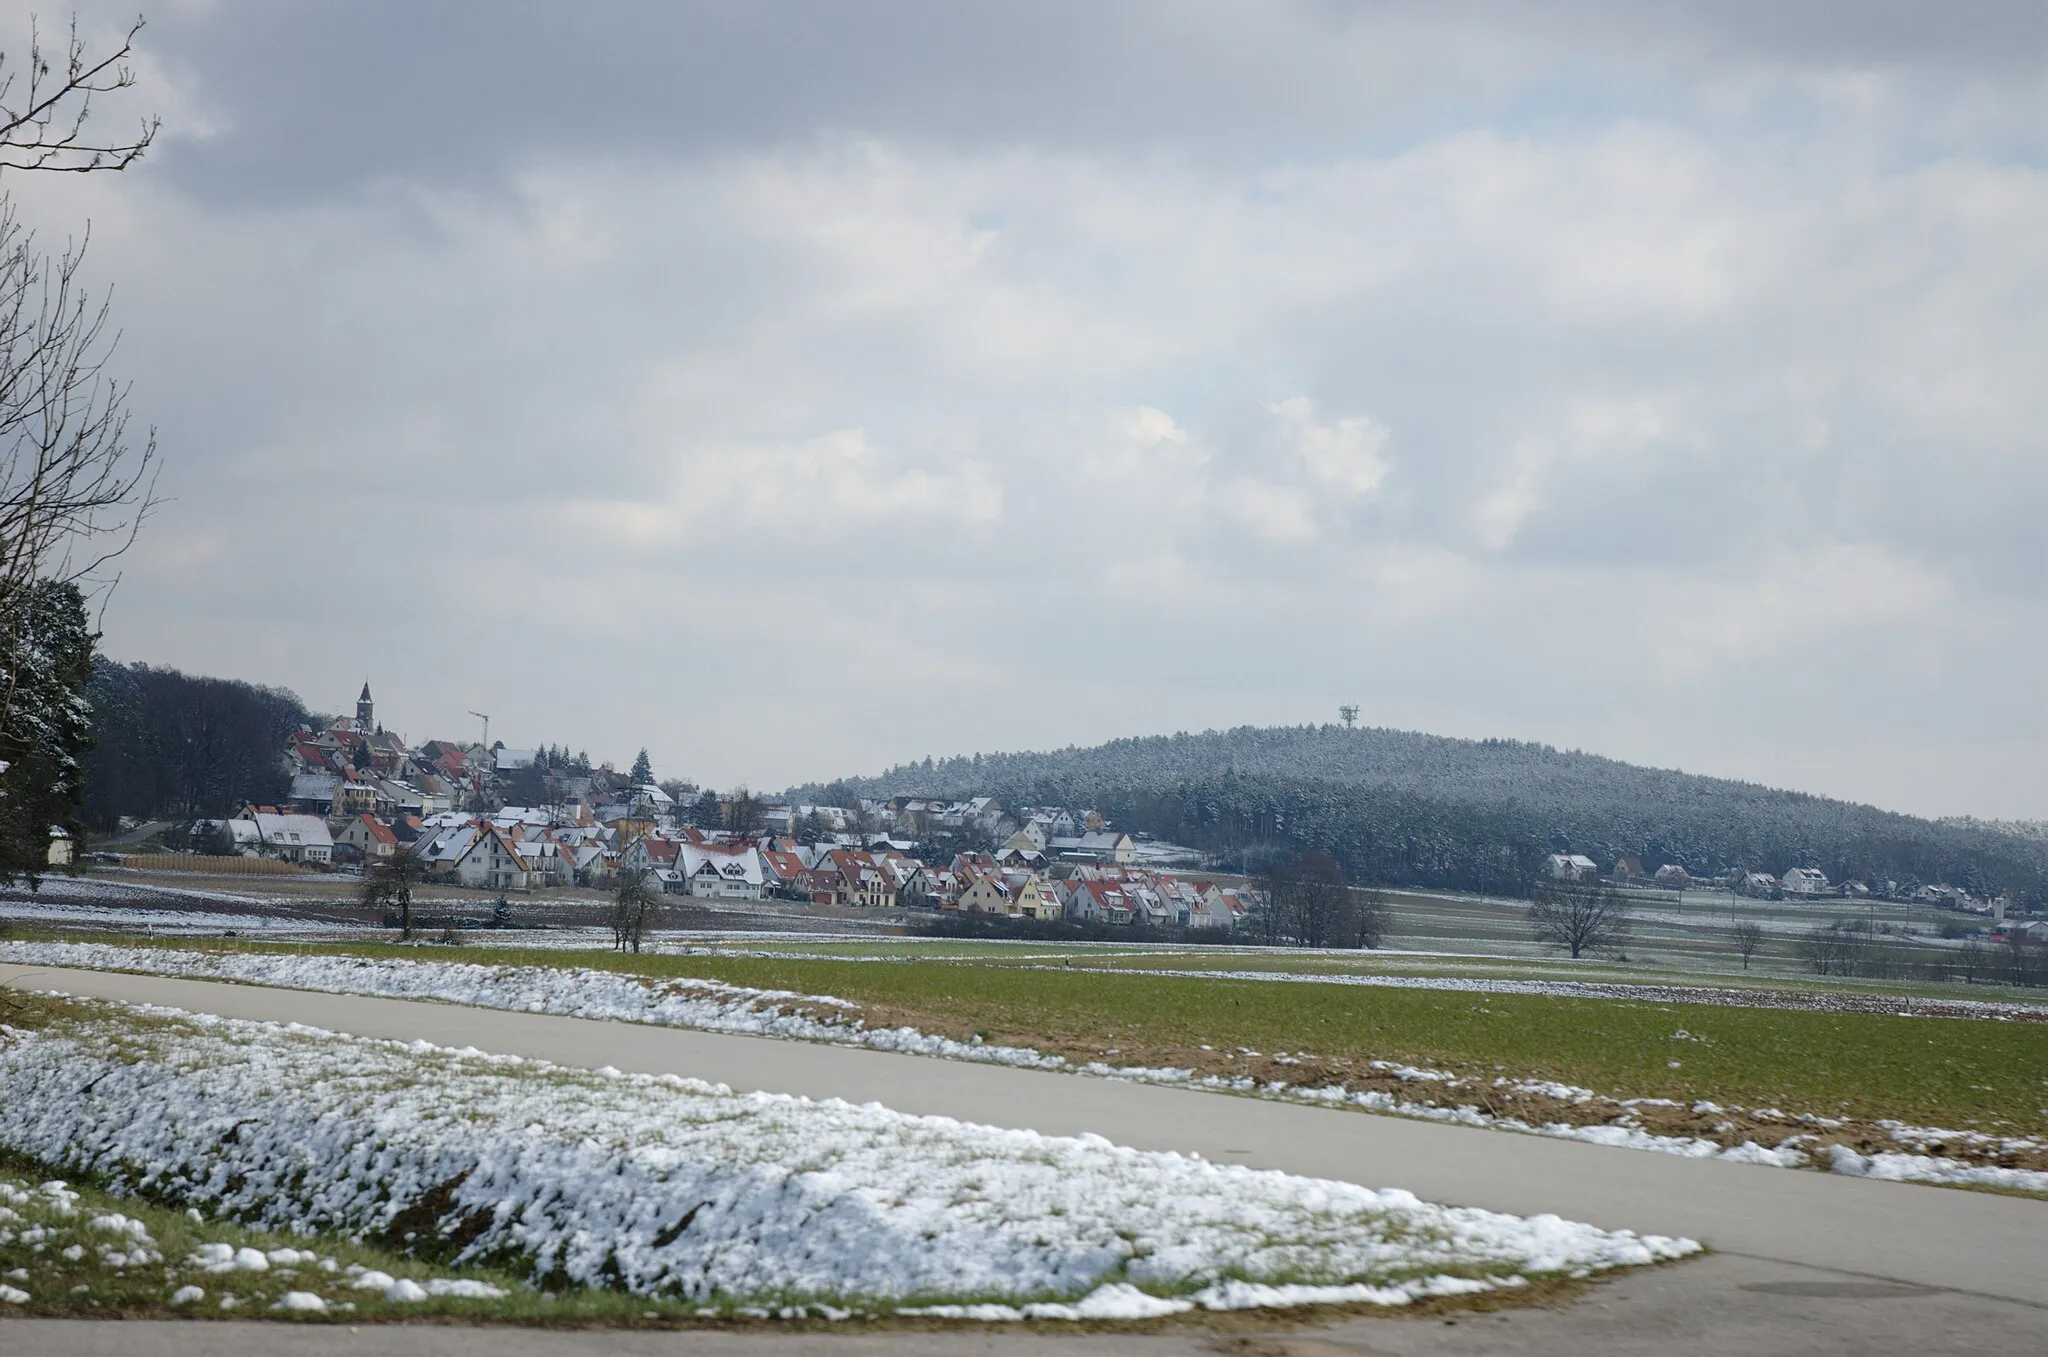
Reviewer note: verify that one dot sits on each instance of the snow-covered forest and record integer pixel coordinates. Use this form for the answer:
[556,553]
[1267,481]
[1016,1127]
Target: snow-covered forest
[1401,808]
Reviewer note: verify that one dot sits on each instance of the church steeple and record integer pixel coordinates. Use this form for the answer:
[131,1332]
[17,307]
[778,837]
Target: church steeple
[364,710]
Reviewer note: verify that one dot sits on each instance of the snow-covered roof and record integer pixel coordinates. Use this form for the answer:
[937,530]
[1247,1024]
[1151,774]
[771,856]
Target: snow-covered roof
[293,831]
[737,863]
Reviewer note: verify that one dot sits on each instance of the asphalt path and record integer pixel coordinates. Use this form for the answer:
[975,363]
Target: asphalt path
[1870,1266]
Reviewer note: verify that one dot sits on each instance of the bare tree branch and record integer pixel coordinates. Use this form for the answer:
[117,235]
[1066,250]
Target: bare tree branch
[47,130]
[73,491]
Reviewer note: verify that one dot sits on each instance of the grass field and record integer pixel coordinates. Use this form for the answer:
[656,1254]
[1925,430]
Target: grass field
[1965,1073]
[51,1251]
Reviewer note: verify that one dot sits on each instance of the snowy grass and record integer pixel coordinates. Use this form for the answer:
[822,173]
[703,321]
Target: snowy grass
[731,1204]
[70,1248]
[1756,1133]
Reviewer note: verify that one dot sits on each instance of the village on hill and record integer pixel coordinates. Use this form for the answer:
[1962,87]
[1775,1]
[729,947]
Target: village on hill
[503,819]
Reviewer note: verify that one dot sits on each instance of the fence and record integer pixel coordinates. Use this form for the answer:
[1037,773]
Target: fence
[217,866]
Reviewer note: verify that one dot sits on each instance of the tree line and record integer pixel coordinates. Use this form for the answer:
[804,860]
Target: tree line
[182,746]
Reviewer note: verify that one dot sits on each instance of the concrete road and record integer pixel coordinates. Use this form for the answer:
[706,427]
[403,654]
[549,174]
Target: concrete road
[1899,1250]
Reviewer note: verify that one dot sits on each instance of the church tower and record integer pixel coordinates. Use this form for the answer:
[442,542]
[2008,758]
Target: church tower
[364,709]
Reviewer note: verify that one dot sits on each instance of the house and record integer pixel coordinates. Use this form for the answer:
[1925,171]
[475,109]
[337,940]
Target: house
[1096,846]
[862,880]
[369,836]
[1031,838]
[290,838]
[1211,908]
[650,853]
[720,871]
[354,797]
[493,861]
[441,845]
[1572,867]
[1806,882]
[314,793]
[1759,886]
[1629,869]
[59,853]
[983,894]
[1100,902]
[1673,877]
[782,874]
[1054,824]
[239,837]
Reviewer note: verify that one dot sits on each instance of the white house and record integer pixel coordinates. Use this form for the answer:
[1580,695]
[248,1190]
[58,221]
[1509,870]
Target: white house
[1211,908]
[721,871]
[494,862]
[1573,867]
[291,838]
[1806,881]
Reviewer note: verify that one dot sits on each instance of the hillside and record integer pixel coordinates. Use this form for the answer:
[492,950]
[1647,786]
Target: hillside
[1406,808]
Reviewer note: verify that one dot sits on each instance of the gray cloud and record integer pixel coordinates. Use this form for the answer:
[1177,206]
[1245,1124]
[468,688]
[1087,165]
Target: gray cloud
[794,389]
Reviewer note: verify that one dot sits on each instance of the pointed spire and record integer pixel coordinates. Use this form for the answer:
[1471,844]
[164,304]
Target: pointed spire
[366,692]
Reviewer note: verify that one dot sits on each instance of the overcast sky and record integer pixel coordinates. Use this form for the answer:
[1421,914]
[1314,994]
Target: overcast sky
[798,389]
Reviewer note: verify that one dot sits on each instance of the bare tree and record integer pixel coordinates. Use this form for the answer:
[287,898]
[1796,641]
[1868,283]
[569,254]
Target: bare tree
[1307,901]
[1972,961]
[72,491]
[635,904]
[1748,937]
[1370,919]
[1579,918]
[1839,948]
[390,881]
[2023,960]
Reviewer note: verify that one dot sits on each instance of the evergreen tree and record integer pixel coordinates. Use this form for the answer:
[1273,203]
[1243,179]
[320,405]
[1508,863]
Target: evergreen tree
[643,771]
[706,812]
[45,724]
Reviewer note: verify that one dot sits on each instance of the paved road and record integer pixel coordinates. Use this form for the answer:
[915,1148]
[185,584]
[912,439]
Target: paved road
[1718,1307]
[1934,1253]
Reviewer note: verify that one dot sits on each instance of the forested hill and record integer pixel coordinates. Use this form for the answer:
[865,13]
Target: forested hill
[1405,808]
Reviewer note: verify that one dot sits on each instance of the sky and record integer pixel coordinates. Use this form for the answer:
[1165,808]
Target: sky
[797,389]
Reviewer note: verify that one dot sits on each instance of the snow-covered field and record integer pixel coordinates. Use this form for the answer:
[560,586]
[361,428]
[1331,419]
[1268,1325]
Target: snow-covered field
[663,1186]
[713,1006]
[169,922]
